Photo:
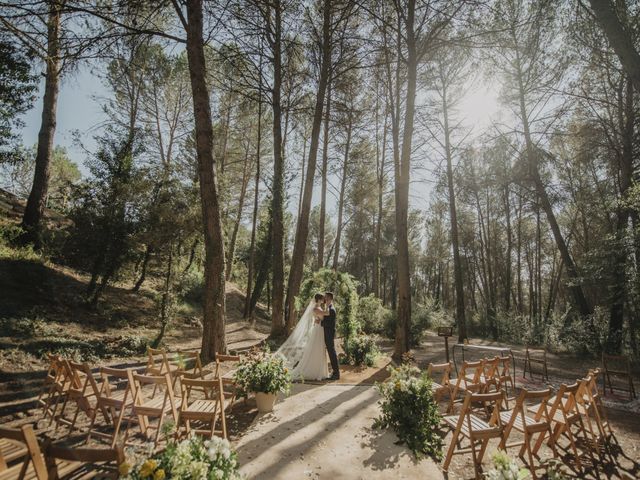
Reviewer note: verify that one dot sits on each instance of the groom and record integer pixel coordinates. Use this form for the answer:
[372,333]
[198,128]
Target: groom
[329,325]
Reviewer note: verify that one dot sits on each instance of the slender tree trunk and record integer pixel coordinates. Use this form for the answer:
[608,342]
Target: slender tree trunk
[143,272]
[254,221]
[402,193]
[277,209]
[213,335]
[323,195]
[236,224]
[380,164]
[508,270]
[343,188]
[457,264]
[619,38]
[165,302]
[302,231]
[619,262]
[32,220]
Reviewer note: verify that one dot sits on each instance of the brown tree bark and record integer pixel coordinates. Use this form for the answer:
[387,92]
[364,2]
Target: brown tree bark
[238,219]
[453,214]
[302,230]
[277,208]
[33,214]
[213,336]
[620,40]
[343,190]
[402,192]
[254,220]
[380,166]
[323,190]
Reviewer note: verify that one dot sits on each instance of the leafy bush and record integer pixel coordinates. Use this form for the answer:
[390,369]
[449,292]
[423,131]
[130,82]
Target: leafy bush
[189,459]
[360,350]
[21,327]
[262,372]
[408,406]
[344,288]
[192,287]
[423,316]
[505,468]
[371,314]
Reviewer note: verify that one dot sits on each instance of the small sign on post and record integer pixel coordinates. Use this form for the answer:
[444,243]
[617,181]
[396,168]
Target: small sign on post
[446,332]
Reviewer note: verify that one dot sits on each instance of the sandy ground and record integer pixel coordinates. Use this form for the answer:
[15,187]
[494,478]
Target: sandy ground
[324,432]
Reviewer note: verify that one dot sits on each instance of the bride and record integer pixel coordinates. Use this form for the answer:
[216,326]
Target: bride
[304,351]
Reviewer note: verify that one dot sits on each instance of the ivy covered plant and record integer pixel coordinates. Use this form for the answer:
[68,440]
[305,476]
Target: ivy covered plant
[262,372]
[408,407]
[344,288]
[188,459]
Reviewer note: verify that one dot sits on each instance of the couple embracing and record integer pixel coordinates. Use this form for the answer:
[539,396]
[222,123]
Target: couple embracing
[306,349]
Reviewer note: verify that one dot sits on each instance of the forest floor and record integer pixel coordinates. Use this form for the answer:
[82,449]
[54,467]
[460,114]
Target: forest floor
[41,310]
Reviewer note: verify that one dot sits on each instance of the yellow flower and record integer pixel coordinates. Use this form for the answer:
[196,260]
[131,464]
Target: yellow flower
[159,475]
[398,385]
[147,468]
[124,469]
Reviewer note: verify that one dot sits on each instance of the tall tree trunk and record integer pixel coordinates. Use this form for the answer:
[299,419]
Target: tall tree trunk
[236,224]
[508,269]
[254,220]
[402,193]
[213,335]
[533,154]
[323,190]
[380,165]
[302,230]
[619,38]
[457,265]
[277,208]
[343,189]
[165,301]
[36,203]
[619,263]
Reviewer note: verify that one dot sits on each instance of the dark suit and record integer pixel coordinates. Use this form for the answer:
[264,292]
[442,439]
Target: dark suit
[329,325]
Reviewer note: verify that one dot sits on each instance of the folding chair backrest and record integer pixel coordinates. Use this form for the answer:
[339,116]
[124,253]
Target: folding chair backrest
[505,366]
[182,357]
[473,370]
[83,377]
[138,382]
[221,358]
[157,362]
[211,388]
[541,397]
[565,401]
[439,372]
[25,435]
[113,379]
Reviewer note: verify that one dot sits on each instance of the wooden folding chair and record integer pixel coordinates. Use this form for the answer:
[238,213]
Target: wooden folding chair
[158,364]
[82,463]
[156,407]
[593,412]
[228,383]
[468,425]
[56,385]
[115,396]
[83,392]
[468,380]
[529,426]
[618,367]
[209,410]
[565,417]
[10,450]
[532,357]
[33,464]
[441,386]
[505,378]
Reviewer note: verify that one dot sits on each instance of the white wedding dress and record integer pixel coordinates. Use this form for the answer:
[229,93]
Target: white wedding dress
[304,351]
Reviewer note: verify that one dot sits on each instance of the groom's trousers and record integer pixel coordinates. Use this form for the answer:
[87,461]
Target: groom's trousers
[329,338]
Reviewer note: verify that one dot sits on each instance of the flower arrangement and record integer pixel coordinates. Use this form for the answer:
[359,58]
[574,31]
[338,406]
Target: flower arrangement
[506,468]
[190,459]
[262,372]
[409,408]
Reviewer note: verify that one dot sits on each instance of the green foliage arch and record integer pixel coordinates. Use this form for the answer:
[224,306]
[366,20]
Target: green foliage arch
[344,288]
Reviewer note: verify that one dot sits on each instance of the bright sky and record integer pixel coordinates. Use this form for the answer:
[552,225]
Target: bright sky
[79,110]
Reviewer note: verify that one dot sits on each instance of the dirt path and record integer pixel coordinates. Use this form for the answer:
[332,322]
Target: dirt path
[324,432]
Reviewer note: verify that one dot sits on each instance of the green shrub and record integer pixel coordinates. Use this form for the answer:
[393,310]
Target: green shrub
[262,372]
[20,327]
[360,350]
[372,314]
[423,317]
[192,287]
[408,406]
[506,468]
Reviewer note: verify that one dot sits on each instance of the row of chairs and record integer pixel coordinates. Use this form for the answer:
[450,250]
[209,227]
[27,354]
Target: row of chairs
[203,395]
[574,412]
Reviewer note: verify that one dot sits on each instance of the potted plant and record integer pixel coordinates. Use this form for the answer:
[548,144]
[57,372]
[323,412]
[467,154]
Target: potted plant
[264,374]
